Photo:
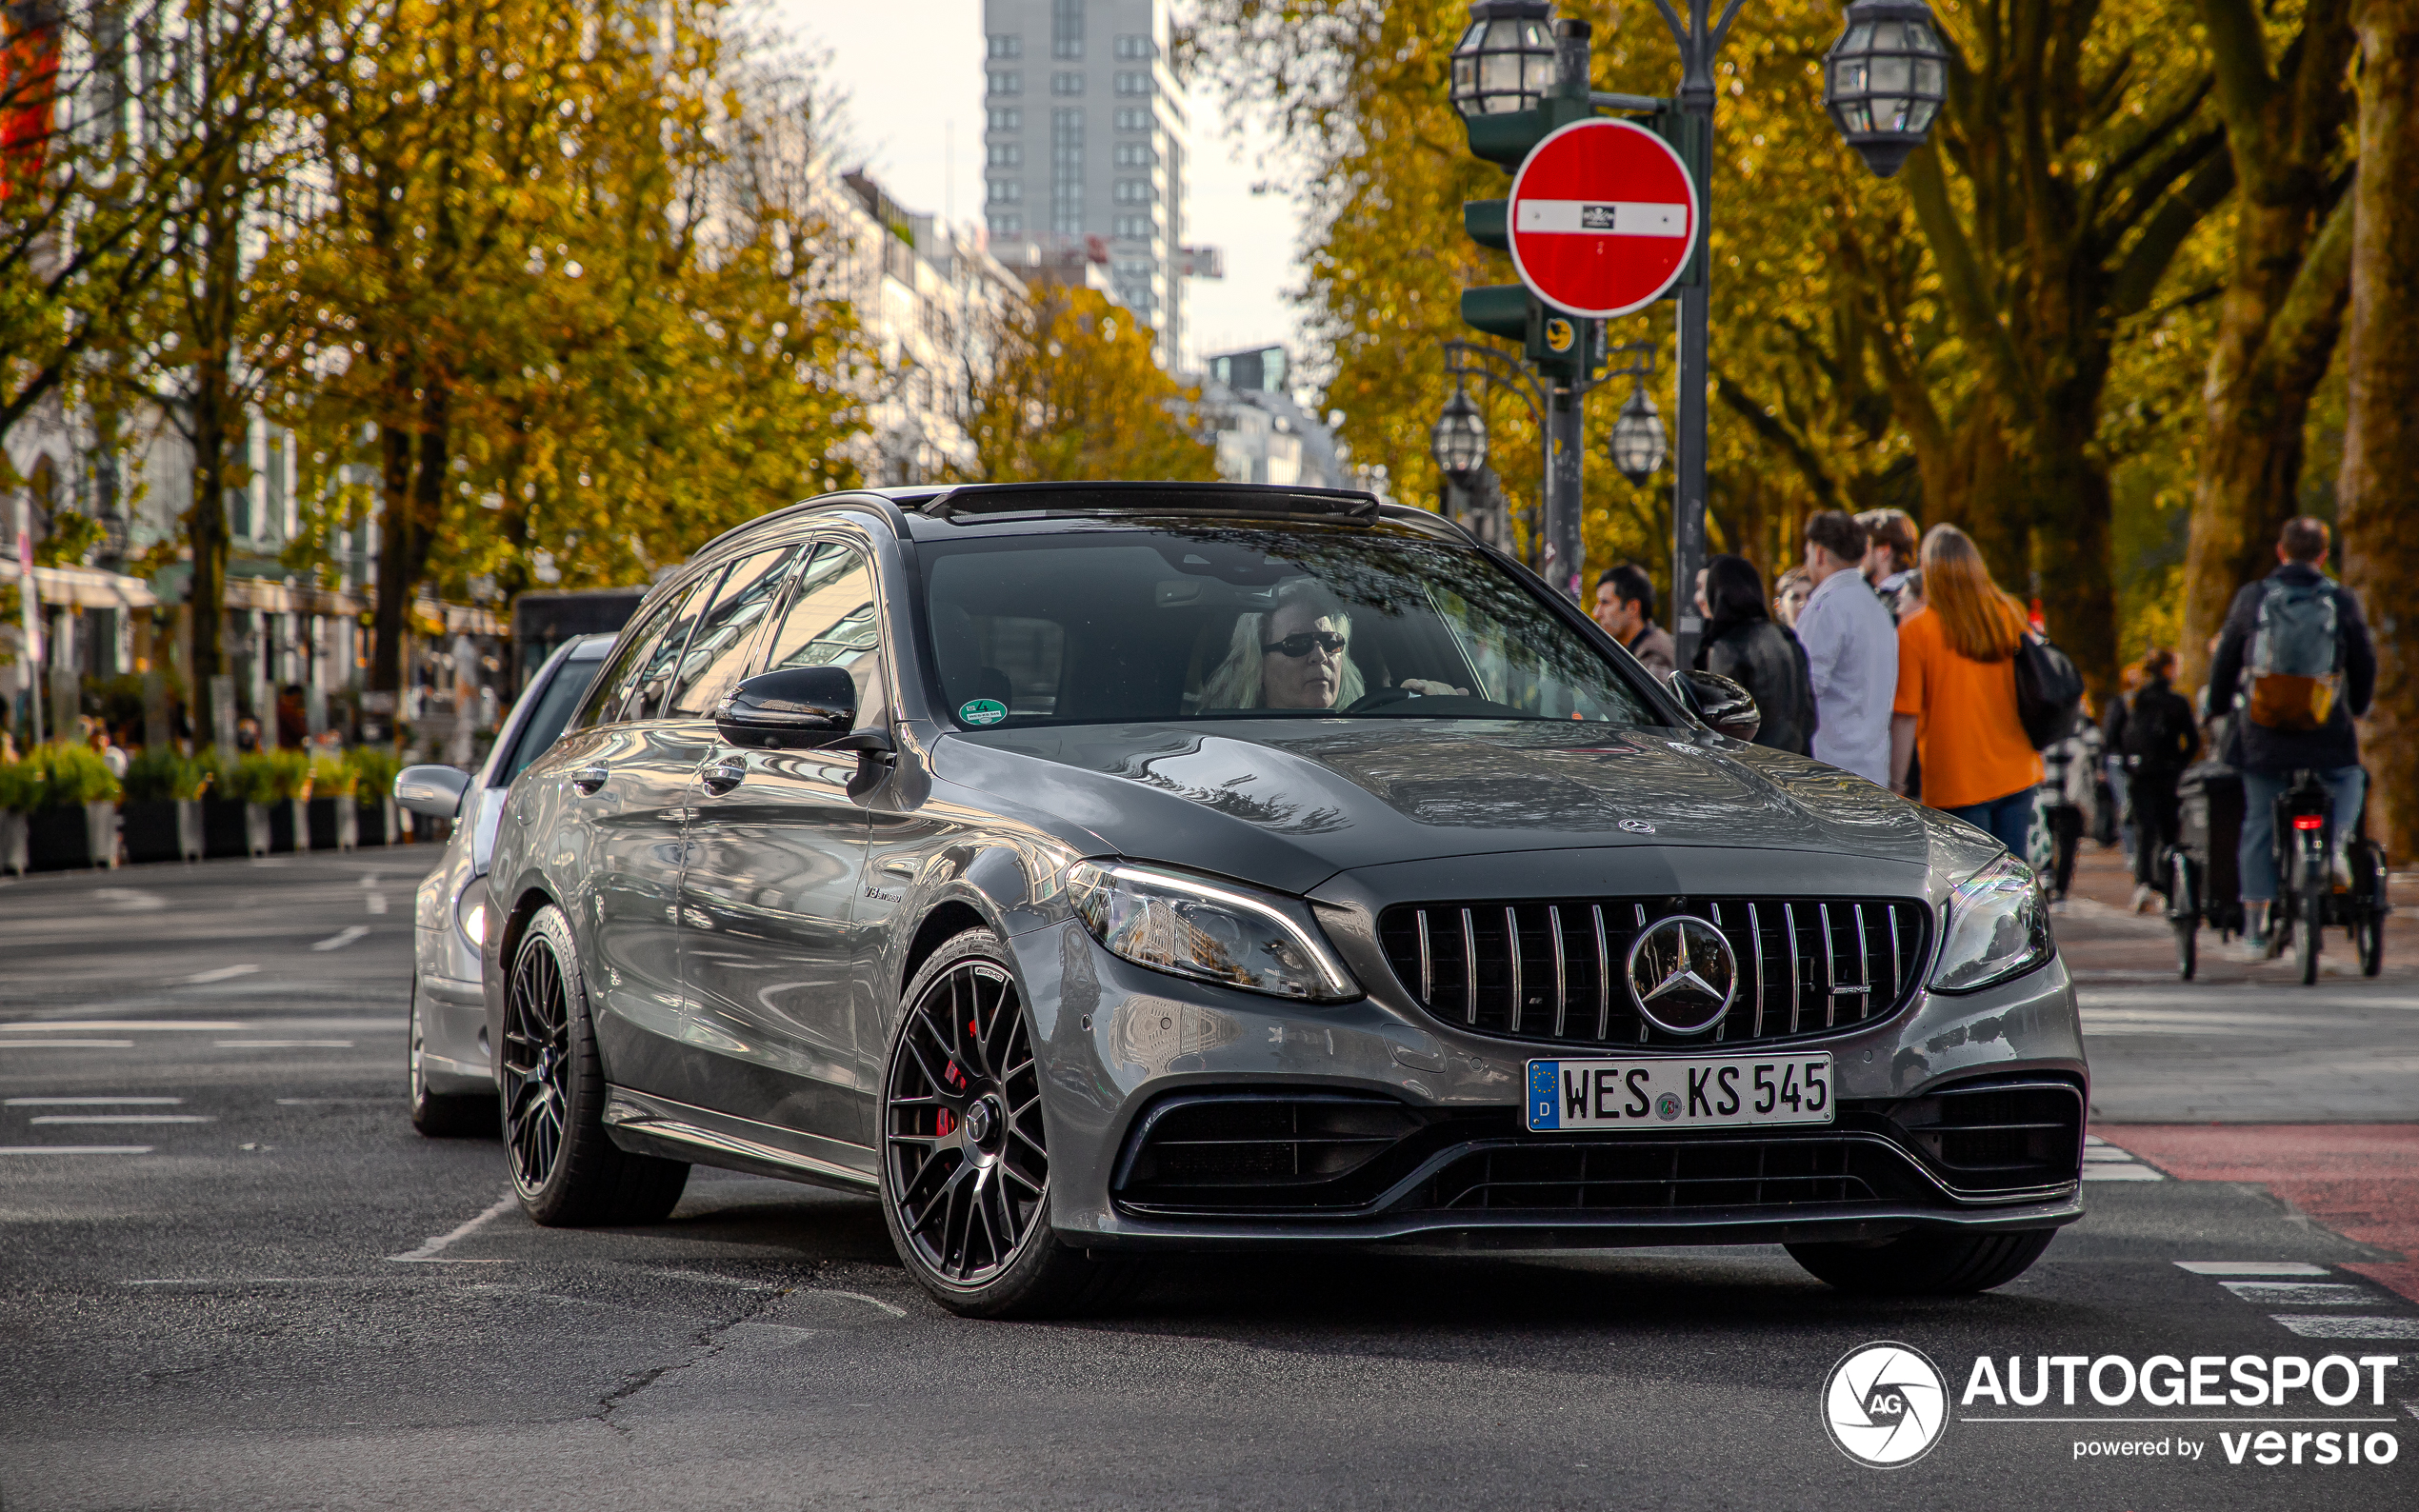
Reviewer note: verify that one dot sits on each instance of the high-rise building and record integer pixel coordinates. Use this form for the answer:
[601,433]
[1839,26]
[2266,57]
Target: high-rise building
[1085,146]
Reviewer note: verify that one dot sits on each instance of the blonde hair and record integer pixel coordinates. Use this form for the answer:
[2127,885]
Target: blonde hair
[1981,623]
[1238,682]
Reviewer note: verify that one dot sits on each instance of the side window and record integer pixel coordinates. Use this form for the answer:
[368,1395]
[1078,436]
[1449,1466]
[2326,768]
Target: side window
[727,633]
[655,674]
[834,620]
[613,686]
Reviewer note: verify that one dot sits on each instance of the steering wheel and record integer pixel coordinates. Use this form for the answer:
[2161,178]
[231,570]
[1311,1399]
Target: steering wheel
[1379,699]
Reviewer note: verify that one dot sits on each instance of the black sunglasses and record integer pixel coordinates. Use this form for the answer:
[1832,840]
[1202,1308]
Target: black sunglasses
[1300,642]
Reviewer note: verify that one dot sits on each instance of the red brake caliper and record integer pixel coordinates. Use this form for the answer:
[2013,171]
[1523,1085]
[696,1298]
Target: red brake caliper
[956,1079]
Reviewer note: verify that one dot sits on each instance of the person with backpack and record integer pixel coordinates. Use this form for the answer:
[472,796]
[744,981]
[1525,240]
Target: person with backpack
[2295,666]
[1956,704]
[2158,739]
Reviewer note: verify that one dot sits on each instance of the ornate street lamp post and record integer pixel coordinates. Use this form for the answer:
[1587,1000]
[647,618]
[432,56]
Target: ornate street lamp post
[1637,438]
[1458,440]
[1885,80]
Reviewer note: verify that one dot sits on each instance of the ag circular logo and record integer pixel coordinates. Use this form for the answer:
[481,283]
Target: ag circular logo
[1681,973]
[1885,1404]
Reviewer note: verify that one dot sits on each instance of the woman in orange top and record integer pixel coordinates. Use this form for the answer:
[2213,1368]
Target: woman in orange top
[1956,702]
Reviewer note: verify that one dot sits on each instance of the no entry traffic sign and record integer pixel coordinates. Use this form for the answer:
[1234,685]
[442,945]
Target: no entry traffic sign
[1603,217]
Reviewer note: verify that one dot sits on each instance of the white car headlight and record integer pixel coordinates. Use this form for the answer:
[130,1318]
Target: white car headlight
[1996,928]
[1210,931]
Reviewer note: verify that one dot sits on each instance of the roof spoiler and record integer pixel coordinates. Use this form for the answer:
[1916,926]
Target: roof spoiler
[1228,500]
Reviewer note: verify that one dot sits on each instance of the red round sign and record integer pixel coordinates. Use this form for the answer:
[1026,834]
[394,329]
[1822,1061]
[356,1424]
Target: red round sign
[1603,217]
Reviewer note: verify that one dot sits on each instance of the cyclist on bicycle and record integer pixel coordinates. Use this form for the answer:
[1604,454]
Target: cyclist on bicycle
[2295,661]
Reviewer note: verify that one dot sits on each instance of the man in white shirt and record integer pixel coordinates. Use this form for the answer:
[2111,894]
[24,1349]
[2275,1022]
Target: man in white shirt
[1851,651]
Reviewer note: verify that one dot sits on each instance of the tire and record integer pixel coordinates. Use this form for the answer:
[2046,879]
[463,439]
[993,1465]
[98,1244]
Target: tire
[964,1151]
[2187,948]
[2372,945]
[447,1116]
[565,1168]
[2313,911]
[1925,1264]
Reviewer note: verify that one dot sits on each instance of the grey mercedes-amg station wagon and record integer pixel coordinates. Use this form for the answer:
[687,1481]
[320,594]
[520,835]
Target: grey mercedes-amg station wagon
[1085,870]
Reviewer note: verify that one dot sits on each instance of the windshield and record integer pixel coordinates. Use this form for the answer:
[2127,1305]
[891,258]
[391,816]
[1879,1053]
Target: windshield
[1189,622]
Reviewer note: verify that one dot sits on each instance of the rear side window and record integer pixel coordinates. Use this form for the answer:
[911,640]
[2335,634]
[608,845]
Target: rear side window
[834,620]
[727,633]
[620,679]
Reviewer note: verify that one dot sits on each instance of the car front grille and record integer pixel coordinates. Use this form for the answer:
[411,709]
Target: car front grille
[1555,972]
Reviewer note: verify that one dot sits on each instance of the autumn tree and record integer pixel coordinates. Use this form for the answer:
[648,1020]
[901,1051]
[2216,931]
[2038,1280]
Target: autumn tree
[1071,392]
[2381,447]
[2282,94]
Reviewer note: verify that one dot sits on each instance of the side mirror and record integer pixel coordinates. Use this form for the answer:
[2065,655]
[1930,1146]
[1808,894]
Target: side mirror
[1721,702]
[435,792]
[793,708]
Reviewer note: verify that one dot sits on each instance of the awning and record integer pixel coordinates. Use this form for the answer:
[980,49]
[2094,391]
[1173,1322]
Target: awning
[84,587]
[271,597]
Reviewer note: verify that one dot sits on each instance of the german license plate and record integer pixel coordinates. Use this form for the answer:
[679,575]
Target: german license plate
[1731,1092]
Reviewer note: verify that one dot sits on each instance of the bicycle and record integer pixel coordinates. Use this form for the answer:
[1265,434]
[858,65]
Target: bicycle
[2199,877]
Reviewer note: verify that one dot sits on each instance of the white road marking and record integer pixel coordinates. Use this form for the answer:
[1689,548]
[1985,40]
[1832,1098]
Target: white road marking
[75,1150]
[369,879]
[2104,1162]
[221,974]
[2122,1173]
[69,1045]
[2320,1325]
[890,1307]
[122,1025]
[343,937]
[123,1117]
[127,900]
[377,902]
[334,1102]
[284,1045]
[2251,1267]
[2302,1293]
[94,1102]
[432,1248]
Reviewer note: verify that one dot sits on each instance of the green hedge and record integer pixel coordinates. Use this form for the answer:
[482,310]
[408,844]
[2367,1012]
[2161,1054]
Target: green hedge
[57,776]
[268,777]
[373,768]
[159,773]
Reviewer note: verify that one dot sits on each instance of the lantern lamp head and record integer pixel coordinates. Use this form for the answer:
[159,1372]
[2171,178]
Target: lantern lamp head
[1885,80]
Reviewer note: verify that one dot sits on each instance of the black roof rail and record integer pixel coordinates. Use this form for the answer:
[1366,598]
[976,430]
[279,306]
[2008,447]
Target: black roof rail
[1249,501]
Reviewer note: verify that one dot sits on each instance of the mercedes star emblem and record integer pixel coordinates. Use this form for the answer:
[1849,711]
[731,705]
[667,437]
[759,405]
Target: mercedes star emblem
[1681,973]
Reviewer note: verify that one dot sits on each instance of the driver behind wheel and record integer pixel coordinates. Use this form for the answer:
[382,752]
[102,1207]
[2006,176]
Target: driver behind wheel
[1296,656]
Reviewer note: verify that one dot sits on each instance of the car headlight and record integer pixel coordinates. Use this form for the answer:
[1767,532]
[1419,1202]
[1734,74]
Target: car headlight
[1996,928]
[474,923]
[1210,931]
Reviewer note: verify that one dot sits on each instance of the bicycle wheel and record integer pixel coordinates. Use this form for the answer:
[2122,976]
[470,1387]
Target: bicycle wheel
[2313,908]
[2373,944]
[2187,948]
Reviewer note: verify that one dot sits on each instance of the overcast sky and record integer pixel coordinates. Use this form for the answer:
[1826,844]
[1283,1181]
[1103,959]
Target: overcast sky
[913,70]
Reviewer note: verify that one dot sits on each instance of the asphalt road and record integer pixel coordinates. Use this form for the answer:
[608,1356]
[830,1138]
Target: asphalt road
[287,1298]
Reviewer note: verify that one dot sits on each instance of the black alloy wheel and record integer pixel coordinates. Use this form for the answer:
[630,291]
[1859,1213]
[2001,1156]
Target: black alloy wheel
[965,1156]
[537,1064]
[566,1168]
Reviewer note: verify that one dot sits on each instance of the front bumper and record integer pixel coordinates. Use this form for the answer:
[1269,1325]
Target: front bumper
[1120,1042]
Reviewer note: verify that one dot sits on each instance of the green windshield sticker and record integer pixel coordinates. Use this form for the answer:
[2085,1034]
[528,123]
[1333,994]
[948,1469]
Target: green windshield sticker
[982,711]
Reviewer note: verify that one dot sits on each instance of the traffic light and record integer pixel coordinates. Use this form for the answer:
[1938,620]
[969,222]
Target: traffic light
[1517,79]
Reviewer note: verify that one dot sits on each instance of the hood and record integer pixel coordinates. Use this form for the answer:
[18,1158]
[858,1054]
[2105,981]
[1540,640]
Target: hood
[1290,802]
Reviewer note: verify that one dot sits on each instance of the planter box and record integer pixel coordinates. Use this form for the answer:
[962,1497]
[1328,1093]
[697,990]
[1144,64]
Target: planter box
[165,829]
[288,824]
[12,843]
[223,828]
[69,839]
[335,824]
[375,822]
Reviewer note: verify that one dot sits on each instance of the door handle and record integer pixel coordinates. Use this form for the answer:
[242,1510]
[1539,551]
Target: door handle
[722,776]
[589,778]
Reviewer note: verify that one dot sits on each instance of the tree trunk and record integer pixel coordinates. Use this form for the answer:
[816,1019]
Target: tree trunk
[2284,301]
[206,532]
[411,509]
[2274,338]
[2381,442]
